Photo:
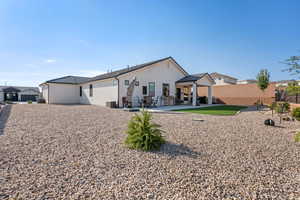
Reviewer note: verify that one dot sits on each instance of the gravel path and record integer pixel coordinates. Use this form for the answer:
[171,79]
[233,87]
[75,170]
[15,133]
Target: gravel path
[76,152]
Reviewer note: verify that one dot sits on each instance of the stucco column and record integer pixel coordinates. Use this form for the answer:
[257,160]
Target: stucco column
[209,95]
[194,94]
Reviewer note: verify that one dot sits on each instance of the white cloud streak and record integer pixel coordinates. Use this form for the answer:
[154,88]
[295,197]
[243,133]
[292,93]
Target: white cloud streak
[50,61]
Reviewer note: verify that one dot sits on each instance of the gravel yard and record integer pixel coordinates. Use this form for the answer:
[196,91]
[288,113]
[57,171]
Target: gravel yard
[77,152]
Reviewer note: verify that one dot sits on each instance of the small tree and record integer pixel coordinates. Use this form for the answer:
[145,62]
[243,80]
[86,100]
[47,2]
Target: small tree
[143,134]
[273,107]
[293,89]
[263,79]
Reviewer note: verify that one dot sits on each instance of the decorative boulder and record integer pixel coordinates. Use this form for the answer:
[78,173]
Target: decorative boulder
[269,122]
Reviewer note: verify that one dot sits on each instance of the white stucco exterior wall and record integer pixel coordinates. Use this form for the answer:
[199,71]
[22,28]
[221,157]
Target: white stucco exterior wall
[63,93]
[162,72]
[103,91]
[1,96]
[45,92]
[225,81]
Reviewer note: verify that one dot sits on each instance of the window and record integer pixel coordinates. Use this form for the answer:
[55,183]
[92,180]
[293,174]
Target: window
[144,90]
[115,82]
[80,91]
[91,90]
[166,89]
[126,82]
[152,89]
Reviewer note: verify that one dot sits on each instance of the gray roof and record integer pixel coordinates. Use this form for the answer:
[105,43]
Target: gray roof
[114,74]
[130,69]
[69,80]
[215,75]
[20,88]
[193,77]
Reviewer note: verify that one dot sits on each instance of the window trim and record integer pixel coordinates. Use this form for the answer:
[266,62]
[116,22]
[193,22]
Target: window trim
[149,94]
[168,85]
[91,90]
[126,82]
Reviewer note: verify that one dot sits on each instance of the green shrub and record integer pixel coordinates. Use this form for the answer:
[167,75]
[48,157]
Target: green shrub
[273,105]
[296,113]
[29,102]
[283,107]
[143,134]
[8,102]
[297,137]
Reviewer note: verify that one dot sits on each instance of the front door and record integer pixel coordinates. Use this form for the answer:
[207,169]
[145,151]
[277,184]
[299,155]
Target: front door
[178,93]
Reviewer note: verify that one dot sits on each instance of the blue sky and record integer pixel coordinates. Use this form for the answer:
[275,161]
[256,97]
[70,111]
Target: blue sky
[40,40]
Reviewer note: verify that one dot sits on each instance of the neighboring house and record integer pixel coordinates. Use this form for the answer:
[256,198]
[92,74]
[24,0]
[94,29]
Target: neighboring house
[285,83]
[247,81]
[164,80]
[15,93]
[222,79]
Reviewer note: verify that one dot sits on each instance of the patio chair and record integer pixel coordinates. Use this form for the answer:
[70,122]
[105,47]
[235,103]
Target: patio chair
[155,101]
[140,101]
[127,103]
[148,101]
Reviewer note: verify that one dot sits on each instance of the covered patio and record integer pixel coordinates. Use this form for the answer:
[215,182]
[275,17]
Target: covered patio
[187,87]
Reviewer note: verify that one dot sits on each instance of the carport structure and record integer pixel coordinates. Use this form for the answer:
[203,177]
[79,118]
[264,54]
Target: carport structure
[186,88]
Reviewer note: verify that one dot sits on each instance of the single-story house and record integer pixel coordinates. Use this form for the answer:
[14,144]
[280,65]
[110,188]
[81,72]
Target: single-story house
[16,93]
[164,80]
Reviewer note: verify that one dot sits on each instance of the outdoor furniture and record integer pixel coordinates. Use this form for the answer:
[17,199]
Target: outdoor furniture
[140,101]
[167,101]
[148,101]
[111,104]
[127,103]
[155,101]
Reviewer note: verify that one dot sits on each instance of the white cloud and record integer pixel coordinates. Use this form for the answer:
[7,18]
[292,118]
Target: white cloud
[50,61]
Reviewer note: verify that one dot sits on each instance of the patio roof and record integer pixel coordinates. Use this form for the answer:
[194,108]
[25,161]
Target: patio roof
[193,78]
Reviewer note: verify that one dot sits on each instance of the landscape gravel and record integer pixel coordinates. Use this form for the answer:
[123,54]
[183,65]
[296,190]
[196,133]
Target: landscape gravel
[77,152]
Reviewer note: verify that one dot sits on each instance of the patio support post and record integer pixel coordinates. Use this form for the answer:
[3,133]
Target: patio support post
[194,94]
[209,95]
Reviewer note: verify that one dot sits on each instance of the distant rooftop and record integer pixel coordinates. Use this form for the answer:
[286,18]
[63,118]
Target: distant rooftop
[20,88]
[215,75]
